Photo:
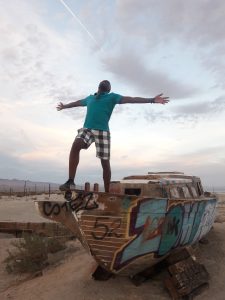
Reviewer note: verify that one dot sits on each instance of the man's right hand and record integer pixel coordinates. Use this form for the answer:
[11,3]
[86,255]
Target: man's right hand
[60,106]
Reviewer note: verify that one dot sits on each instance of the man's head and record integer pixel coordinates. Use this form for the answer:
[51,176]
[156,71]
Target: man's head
[104,86]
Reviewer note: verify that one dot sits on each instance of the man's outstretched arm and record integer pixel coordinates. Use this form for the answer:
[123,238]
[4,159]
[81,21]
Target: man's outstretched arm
[61,106]
[157,99]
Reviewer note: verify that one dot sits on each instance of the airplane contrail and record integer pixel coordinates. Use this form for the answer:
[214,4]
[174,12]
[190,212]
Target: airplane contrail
[78,20]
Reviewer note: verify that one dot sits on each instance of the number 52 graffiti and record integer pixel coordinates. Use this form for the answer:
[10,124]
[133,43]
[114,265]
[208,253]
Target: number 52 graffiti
[103,229]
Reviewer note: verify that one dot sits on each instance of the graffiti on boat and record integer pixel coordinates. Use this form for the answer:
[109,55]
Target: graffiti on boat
[156,228]
[82,201]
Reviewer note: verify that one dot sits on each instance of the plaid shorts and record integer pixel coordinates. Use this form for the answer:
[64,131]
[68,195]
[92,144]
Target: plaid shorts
[101,139]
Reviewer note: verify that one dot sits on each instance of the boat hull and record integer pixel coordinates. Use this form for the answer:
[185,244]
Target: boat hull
[127,234]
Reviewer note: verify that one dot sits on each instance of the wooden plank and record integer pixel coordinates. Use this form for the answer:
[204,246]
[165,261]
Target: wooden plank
[90,238]
[178,255]
[172,290]
[187,276]
[91,224]
[118,232]
[99,254]
[100,246]
[108,219]
[103,250]
[106,243]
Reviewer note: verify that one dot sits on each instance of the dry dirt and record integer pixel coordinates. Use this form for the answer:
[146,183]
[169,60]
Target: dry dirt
[71,278]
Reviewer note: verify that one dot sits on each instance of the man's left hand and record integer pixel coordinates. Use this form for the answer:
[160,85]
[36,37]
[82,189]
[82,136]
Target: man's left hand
[161,99]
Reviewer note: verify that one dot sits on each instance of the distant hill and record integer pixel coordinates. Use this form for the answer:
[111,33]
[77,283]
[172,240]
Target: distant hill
[15,185]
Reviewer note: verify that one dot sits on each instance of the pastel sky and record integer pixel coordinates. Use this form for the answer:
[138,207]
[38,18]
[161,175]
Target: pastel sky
[144,48]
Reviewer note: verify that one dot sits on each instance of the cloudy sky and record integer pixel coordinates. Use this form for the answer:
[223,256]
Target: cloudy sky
[54,50]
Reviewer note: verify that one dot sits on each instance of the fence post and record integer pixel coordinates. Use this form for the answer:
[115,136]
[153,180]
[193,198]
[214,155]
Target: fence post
[96,187]
[25,185]
[87,187]
[49,189]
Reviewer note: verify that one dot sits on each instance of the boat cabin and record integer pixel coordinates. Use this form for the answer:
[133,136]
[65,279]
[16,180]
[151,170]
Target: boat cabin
[172,185]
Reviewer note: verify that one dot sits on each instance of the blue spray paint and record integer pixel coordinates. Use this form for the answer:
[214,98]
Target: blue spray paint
[153,229]
[171,229]
[147,220]
[190,210]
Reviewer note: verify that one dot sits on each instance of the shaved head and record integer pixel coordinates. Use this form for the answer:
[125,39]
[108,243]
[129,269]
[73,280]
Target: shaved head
[104,86]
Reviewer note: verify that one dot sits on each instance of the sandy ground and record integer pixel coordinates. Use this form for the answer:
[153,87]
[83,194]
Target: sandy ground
[71,278]
[22,209]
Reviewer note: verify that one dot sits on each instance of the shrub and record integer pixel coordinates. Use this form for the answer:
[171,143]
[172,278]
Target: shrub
[31,253]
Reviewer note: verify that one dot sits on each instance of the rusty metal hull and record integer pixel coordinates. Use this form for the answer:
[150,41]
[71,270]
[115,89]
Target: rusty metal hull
[127,234]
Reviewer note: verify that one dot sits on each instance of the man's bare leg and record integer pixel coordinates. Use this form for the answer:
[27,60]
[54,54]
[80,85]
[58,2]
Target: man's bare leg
[106,173]
[78,144]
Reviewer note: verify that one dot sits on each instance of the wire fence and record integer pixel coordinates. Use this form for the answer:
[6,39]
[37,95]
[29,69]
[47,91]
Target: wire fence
[28,189]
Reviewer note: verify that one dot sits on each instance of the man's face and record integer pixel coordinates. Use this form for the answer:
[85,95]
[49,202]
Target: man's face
[104,86]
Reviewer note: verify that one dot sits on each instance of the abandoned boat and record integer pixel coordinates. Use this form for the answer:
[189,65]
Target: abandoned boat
[139,222]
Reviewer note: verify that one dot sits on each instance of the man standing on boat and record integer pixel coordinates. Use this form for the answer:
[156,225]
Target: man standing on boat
[96,128]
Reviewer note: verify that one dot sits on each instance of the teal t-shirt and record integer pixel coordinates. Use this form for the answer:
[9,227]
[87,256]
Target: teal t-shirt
[99,110]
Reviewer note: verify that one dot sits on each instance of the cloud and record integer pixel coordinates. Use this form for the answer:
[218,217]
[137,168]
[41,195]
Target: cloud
[33,56]
[207,162]
[76,113]
[215,64]
[29,65]
[36,170]
[202,108]
[211,174]
[189,114]
[16,142]
[196,26]
[130,67]
[195,22]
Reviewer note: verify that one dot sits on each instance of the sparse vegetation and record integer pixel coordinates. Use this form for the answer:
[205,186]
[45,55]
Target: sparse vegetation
[31,253]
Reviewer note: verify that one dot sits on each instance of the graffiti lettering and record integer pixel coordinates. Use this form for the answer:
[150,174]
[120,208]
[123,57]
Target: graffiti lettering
[173,226]
[189,213]
[100,226]
[156,229]
[102,230]
[83,201]
[116,224]
[171,229]
[50,209]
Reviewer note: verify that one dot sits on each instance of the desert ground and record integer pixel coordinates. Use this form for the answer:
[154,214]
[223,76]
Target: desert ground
[70,277]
